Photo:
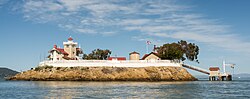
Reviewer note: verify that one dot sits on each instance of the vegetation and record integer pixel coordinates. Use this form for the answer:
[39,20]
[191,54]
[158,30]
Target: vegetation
[97,54]
[43,67]
[181,51]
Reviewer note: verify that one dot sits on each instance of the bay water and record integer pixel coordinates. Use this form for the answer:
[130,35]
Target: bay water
[238,88]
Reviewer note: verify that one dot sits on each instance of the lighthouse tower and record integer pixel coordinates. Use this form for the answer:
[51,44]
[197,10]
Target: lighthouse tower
[70,47]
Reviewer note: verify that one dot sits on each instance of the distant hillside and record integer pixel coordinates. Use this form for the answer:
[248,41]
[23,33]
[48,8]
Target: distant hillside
[4,72]
[242,75]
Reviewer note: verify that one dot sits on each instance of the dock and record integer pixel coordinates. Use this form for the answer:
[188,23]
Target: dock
[196,69]
[213,72]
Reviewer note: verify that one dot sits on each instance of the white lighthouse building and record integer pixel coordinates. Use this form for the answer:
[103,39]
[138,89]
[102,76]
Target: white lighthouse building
[69,52]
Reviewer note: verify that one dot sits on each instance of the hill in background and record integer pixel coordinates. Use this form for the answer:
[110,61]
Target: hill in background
[242,75]
[5,72]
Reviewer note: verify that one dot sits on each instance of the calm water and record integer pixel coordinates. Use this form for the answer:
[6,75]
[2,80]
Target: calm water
[239,88]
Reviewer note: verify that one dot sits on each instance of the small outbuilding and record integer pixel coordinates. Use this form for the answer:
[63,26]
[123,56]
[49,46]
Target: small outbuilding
[134,56]
[215,75]
[214,71]
[151,56]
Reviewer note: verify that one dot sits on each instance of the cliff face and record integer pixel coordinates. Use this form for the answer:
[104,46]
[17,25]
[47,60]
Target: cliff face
[105,74]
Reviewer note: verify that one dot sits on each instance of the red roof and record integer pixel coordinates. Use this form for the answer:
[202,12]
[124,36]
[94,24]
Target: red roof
[70,38]
[146,55]
[214,68]
[118,58]
[62,51]
[134,53]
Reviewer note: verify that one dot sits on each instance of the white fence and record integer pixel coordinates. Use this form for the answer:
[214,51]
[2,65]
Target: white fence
[110,63]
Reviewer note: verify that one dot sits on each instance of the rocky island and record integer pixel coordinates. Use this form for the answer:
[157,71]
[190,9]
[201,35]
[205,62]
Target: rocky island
[49,73]
[71,64]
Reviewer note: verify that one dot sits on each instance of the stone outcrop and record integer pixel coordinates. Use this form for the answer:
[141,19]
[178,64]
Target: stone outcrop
[49,73]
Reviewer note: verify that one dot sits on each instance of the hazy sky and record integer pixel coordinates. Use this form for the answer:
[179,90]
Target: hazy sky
[29,28]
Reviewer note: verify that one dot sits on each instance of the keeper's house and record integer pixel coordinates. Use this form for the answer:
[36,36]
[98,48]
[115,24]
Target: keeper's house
[69,52]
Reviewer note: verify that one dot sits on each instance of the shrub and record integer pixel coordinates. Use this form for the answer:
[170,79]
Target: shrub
[106,71]
[58,68]
[43,67]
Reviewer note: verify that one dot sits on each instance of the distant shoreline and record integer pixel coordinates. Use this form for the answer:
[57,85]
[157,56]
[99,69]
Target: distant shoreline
[6,72]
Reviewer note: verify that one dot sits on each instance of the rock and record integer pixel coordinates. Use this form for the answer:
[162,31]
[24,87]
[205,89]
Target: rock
[49,73]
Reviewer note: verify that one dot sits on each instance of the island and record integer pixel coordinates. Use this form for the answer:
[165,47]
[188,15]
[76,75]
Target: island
[66,64]
[49,73]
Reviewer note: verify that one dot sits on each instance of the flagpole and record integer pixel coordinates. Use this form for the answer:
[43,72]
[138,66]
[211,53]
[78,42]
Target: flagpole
[147,47]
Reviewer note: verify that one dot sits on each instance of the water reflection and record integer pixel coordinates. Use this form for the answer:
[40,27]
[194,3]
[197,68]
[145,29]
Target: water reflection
[115,89]
[96,84]
[67,89]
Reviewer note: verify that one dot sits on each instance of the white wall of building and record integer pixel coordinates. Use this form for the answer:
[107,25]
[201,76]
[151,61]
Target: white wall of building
[108,63]
[55,56]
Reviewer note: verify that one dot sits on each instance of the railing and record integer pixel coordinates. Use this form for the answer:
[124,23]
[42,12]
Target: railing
[196,68]
[113,63]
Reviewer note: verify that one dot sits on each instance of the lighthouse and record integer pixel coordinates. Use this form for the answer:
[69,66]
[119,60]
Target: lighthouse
[68,52]
[70,47]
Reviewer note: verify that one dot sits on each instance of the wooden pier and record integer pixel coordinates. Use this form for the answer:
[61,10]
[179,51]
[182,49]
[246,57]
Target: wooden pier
[196,68]
[223,77]
[215,75]
[214,72]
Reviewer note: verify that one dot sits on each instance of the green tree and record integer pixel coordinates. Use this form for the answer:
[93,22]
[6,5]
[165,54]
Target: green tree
[181,51]
[170,51]
[190,50]
[97,54]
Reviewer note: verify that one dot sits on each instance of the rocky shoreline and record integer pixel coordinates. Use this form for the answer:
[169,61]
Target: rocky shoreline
[49,73]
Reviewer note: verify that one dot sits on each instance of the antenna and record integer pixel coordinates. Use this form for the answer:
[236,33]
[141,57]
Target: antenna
[40,57]
[44,57]
[224,66]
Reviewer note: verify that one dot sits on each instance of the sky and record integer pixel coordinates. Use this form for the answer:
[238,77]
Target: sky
[30,28]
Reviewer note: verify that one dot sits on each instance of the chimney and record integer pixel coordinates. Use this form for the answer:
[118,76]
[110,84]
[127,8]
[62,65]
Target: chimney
[155,49]
[55,46]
